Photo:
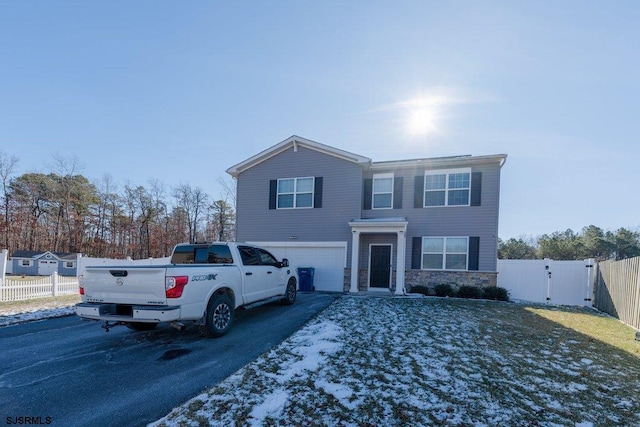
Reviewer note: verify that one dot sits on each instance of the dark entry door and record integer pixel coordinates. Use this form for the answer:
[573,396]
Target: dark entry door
[380,266]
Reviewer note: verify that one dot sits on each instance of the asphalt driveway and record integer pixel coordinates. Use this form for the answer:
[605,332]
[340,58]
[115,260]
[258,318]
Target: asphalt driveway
[70,372]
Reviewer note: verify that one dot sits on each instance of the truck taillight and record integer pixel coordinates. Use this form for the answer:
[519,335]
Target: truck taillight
[175,285]
[81,284]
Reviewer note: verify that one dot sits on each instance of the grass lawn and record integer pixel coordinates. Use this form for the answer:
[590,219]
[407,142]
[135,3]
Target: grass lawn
[368,361]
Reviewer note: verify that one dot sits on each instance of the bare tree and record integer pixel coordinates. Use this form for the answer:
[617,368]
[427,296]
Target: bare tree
[67,169]
[7,166]
[193,201]
[222,220]
[229,191]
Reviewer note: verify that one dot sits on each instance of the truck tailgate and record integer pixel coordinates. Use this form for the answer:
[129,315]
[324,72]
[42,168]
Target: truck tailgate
[125,285]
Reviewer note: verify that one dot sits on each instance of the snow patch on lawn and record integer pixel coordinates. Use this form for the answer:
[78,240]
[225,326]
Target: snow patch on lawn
[421,362]
[21,315]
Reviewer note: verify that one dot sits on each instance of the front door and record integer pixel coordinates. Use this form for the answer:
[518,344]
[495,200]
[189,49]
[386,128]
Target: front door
[380,266]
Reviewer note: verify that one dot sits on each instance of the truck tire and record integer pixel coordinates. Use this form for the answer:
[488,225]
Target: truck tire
[219,316]
[141,326]
[290,293]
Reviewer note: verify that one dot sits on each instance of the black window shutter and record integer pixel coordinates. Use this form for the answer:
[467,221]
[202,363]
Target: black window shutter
[416,253]
[317,192]
[418,198]
[367,194]
[476,188]
[273,193]
[474,253]
[397,193]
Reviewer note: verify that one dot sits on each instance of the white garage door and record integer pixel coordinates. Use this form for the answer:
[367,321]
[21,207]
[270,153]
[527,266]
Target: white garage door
[328,258]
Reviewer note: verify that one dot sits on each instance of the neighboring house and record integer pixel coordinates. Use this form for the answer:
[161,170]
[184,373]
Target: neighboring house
[38,263]
[369,225]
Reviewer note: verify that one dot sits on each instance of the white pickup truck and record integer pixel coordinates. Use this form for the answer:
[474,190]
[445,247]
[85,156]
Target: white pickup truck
[204,283]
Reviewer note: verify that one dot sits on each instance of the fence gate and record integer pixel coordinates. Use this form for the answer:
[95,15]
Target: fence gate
[548,281]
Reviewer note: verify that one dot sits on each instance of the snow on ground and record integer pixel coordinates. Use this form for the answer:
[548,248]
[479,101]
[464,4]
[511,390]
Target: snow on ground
[429,361]
[46,310]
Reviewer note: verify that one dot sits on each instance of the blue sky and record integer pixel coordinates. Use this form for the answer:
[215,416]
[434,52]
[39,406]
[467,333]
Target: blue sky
[180,91]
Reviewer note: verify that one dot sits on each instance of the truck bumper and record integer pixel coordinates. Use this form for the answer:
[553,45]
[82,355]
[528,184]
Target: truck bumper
[127,313]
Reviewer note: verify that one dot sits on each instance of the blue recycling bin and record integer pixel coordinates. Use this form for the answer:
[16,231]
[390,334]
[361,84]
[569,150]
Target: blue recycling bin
[305,274]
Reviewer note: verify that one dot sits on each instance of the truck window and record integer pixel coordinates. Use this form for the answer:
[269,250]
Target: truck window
[248,255]
[183,255]
[191,254]
[266,258]
[220,254]
[202,255]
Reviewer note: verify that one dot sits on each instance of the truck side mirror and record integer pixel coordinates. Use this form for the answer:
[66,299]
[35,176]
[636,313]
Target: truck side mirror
[284,263]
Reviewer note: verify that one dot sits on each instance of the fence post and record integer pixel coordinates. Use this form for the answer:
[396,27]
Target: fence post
[3,264]
[590,265]
[547,268]
[54,287]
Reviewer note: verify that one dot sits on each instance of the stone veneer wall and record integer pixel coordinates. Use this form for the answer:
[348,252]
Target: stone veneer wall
[430,279]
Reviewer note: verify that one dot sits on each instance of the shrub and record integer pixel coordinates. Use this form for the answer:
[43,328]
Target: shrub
[444,290]
[495,293]
[420,289]
[468,292]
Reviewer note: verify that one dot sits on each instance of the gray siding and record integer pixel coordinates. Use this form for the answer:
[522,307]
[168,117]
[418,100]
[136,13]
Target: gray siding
[64,271]
[481,221]
[342,201]
[18,269]
[341,196]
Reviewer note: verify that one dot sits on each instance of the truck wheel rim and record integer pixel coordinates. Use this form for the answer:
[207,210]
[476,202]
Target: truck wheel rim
[221,316]
[291,292]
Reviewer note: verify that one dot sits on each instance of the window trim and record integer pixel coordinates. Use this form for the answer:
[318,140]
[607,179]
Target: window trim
[444,253]
[373,189]
[29,263]
[295,193]
[446,173]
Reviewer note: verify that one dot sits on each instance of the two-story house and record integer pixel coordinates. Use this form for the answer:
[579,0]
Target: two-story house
[367,225]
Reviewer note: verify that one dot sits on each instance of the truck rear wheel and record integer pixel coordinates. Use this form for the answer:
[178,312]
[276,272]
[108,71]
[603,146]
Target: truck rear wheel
[219,316]
[141,326]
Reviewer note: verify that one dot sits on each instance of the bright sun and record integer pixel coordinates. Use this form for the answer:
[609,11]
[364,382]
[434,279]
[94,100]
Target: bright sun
[424,114]
[422,121]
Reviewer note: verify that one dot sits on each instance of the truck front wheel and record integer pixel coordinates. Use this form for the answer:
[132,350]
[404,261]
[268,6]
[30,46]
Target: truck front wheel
[219,316]
[290,293]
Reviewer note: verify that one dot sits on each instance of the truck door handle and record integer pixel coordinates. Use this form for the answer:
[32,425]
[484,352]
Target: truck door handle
[269,272]
[248,273]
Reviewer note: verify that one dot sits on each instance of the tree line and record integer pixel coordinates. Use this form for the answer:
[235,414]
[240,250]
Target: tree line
[590,242]
[63,211]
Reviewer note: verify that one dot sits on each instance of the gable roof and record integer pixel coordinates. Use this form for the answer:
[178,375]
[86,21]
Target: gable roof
[295,142]
[39,254]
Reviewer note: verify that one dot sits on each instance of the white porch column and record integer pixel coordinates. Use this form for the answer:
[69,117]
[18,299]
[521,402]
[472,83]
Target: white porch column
[355,254]
[400,260]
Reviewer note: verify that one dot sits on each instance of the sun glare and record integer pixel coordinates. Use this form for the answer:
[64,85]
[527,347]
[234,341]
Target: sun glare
[421,122]
[424,114]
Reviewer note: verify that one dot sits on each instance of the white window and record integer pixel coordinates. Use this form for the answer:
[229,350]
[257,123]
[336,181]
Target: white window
[447,187]
[382,191]
[69,264]
[26,263]
[295,193]
[445,253]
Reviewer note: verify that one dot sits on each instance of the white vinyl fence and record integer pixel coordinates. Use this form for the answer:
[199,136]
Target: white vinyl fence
[548,281]
[47,286]
[18,289]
